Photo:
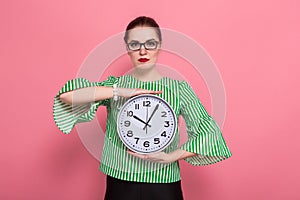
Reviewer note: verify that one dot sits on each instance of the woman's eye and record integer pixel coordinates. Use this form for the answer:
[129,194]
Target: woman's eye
[151,44]
[134,44]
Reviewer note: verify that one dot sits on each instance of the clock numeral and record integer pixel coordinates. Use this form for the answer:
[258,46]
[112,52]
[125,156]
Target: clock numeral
[126,123]
[146,103]
[164,134]
[163,114]
[156,141]
[129,133]
[167,124]
[136,106]
[146,143]
[137,139]
[130,113]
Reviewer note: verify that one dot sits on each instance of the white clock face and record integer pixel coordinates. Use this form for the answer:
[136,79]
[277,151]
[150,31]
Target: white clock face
[146,124]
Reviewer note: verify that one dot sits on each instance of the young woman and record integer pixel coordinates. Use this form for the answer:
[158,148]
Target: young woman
[142,176]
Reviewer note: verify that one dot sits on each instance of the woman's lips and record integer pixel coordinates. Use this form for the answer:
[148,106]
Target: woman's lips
[143,59]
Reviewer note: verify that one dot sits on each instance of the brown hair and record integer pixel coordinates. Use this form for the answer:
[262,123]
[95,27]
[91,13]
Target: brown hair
[143,21]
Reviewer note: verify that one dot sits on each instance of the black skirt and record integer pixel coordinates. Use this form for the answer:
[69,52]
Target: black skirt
[117,189]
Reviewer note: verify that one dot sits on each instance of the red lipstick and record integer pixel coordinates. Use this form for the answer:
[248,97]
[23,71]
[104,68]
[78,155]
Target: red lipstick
[143,59]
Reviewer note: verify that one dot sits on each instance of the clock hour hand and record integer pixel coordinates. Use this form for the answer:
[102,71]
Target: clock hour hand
[155,109]
[139,119]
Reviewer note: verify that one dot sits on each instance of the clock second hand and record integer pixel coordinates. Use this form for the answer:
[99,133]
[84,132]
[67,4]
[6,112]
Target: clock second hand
[147,120]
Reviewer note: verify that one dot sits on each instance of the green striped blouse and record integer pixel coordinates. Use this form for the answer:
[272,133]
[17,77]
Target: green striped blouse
[204,135]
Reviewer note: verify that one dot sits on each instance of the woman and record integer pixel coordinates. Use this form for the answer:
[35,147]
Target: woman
[131,175]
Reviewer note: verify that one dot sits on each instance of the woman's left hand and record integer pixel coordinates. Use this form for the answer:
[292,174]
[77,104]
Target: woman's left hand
[160,157]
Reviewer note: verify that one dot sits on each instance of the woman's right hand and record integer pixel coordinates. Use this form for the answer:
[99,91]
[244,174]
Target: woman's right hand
[91,94]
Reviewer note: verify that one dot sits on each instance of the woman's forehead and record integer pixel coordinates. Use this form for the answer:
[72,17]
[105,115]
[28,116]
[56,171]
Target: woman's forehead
[142,34]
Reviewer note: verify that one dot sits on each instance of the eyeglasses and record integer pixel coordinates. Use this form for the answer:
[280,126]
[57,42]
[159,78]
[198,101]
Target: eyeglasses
[149,45]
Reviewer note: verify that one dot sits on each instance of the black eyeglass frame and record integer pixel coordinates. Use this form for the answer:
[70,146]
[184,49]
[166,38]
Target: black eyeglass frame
[143,44]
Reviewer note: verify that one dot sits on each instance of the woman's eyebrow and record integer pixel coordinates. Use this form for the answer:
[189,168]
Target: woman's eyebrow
[134,41]
[139,41]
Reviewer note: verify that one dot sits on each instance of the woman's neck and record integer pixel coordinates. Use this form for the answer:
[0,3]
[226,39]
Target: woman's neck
[146,74]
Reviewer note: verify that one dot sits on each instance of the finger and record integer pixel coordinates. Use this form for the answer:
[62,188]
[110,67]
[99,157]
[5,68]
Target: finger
[136,154]
[131,152]
[151,92]
[156,92]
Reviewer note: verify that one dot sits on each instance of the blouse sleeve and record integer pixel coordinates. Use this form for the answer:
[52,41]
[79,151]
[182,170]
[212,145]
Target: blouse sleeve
[204,135]
[67,116]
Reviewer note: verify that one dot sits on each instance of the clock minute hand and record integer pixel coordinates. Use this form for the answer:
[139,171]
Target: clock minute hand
[146,124]
[155,109]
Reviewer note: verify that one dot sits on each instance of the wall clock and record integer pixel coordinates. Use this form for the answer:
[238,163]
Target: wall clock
[146,124]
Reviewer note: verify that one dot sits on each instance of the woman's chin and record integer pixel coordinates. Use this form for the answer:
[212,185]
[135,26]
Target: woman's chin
[145,66]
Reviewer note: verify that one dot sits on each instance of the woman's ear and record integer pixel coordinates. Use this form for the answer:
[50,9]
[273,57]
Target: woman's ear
[126,48]
[159,46]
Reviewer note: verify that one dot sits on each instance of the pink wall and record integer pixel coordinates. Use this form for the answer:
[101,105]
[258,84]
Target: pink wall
[255,45]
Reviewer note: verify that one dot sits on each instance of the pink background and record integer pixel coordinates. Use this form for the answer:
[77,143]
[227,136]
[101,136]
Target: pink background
[254,44]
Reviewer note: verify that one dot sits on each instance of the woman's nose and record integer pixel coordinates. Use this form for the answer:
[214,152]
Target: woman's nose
[143,51]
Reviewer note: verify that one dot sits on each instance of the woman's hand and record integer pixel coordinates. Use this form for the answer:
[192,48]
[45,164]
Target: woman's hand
[162,157]
[91,94]
[130,92]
